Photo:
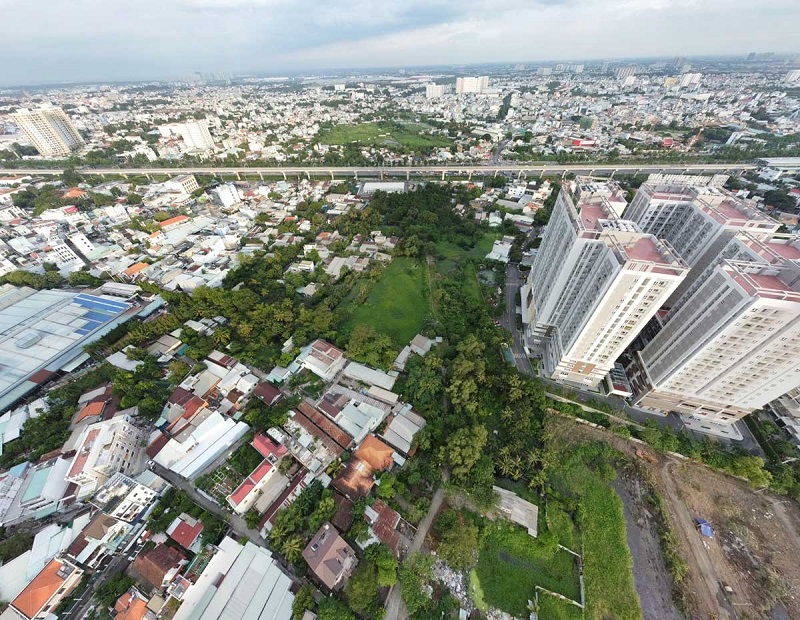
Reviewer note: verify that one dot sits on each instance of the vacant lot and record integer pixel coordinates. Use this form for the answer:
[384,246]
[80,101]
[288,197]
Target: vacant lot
[511,564]
[397,304]
[409,135]
[583,477]
[450,253]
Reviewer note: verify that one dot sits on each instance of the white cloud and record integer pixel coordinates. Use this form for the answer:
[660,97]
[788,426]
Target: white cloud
[116,39]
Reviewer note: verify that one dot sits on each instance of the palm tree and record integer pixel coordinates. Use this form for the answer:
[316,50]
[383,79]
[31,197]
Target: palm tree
[292,549]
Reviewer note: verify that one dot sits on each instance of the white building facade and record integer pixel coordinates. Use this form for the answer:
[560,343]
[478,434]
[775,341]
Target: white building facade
[50,130]
[595,282]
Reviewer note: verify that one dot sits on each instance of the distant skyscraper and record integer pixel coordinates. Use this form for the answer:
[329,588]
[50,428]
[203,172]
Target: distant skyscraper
[434,90]
[50,131]
[690,80]
[195,135]
[624,72]
[793,76]
[595,282]
[472,85]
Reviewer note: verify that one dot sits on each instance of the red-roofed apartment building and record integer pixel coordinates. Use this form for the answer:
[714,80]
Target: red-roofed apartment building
[132,606]
[42,595]
[159,566]
[186,531]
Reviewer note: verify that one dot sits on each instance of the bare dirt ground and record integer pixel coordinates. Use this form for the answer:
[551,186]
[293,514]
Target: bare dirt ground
[756,551]
[650,574]
[748,571]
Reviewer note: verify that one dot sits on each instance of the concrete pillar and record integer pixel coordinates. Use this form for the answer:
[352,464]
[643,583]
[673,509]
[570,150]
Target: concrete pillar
[442,175]
[408,175]
[238,176]
[284,175]
[331,173]
[495,172]
[613,172]
[260,175]
[541,173]
[591,172]
[469,176]
[355,174]
[308,176]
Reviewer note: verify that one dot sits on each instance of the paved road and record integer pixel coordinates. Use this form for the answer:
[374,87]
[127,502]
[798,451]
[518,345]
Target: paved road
[117,565]
[395,608]
[236,523]
[532,168]
[509,319]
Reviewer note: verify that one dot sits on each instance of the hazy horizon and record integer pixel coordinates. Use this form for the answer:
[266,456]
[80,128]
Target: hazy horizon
[94,41]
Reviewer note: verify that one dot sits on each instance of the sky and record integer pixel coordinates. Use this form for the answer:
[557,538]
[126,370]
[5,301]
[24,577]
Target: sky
[114,40]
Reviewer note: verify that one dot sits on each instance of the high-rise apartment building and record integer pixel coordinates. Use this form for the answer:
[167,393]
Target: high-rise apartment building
[465,85]
[625,72]
[50,130]
[433,91]
[195,135]
[596,281]
[697,221]
[793,76]
[690,80]
[732,347]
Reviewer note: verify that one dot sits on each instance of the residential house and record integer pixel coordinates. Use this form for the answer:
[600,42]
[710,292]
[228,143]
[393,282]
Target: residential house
[330,558]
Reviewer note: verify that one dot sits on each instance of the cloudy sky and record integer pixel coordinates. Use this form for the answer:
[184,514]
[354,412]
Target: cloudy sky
[75,40]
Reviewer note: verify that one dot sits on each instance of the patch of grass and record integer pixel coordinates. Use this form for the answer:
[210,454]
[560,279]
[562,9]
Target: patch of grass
[397,304]
[476,591]
[551,608]
[511,564]
[450,253]
[584,473]
[408,135]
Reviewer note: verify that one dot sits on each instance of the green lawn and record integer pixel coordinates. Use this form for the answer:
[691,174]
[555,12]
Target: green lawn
[397,304]
[511,563]
[551,608]
[409,135]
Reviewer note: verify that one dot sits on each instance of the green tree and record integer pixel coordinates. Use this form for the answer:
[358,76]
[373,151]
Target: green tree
[333,609]
[414,576]
[303,600]
[362,588]
[385,563]
[464,448]
[368,346]
[458,544]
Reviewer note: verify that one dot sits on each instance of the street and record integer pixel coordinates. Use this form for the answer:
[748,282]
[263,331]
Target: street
[234,521]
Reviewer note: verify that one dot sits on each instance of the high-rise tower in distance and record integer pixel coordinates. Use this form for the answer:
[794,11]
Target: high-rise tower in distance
[50,130]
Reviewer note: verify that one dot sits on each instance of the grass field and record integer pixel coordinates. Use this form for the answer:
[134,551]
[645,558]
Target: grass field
[397,304]
[511,563]
[450,253]
[607,563]
[409,135]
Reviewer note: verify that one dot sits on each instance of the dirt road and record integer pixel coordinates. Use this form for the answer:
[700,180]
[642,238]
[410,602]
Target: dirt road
[702,581]
[650,574]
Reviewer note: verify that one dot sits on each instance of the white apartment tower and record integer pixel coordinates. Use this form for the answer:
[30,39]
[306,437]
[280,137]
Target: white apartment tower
[477,85]
[732,347]
[697,221]
[622,73]
[49,130]
[432,91]
[195,135]
[690,80]
[596,281]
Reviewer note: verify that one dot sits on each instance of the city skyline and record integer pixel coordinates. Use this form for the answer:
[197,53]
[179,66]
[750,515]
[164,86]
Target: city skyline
[92,41]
